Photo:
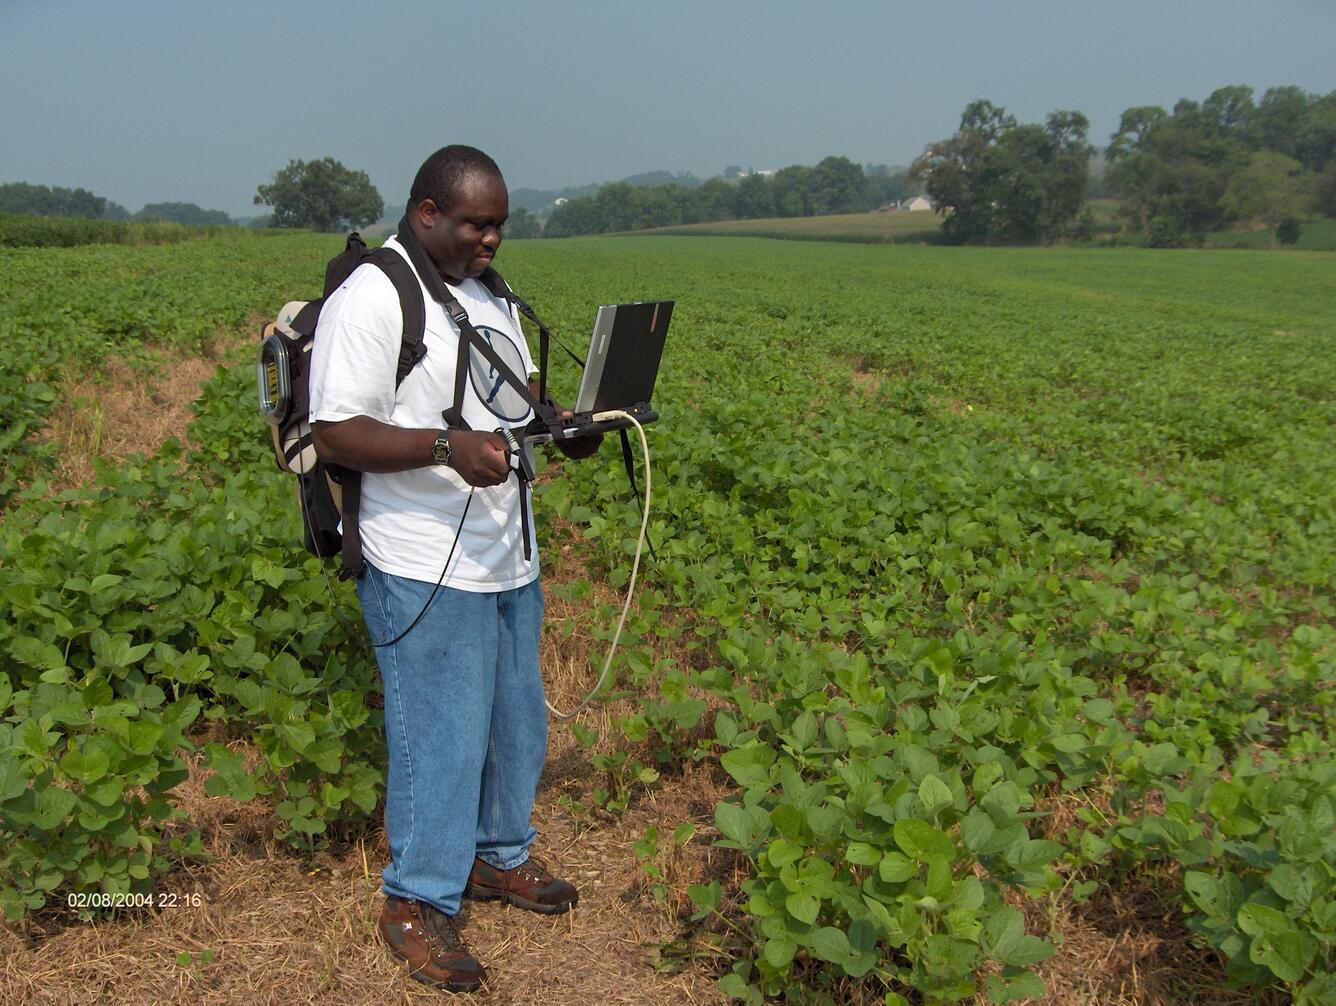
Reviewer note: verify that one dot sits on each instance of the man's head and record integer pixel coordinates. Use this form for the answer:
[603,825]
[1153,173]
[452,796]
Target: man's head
[456,208]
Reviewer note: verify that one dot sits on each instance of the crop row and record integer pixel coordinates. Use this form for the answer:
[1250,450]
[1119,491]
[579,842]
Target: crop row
[74,308]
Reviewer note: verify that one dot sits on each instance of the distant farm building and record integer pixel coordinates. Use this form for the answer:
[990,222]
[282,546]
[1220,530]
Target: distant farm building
[915,204]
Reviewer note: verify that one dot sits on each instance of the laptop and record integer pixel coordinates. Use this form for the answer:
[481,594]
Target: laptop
[620,370]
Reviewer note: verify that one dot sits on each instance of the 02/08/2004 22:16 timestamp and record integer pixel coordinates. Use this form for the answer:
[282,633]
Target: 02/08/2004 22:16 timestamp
[127,899]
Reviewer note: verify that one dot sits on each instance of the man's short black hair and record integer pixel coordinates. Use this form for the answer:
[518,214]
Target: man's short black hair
[444,172]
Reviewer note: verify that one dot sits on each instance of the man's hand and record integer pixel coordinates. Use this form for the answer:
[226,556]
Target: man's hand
[479,457]
[576,448]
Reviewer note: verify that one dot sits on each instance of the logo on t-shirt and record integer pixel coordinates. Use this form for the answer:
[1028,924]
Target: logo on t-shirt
[490,385]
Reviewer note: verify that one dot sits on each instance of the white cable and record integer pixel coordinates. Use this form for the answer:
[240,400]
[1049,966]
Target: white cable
[630,587]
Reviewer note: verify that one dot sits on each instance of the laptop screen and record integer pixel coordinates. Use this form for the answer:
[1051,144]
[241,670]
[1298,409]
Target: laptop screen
[624,355]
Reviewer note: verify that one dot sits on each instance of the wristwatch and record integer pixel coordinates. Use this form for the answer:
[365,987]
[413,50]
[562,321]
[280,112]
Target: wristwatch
[440,451]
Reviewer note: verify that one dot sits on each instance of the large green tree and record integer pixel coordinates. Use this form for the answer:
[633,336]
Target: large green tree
[756,198]
[837,186]
[322,195]
[949,170]
[997,179]
[1034,178]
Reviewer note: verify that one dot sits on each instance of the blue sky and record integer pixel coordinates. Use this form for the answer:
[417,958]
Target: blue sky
[149,100]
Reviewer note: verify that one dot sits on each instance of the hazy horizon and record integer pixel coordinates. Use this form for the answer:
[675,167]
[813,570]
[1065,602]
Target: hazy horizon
[151,101]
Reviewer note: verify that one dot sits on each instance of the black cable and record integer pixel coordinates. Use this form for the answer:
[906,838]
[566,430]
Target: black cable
[329,587]
[440,580]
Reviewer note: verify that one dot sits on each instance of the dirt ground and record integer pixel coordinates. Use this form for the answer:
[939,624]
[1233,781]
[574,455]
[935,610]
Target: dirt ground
[262,924]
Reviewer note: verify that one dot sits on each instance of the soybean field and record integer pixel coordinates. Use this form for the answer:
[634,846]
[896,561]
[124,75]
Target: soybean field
[992,588]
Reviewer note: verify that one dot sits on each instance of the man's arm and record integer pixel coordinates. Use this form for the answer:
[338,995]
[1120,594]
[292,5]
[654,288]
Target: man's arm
[368,445]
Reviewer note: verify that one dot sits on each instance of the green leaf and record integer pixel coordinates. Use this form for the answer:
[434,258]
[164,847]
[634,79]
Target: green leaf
[779,952]
[35,653]
[142,736]
[1009,942]
[12,782]
[976,828]
[1259,920]
[105,792]
[830,944]
[116,651]
[862,854]
[934,794]
[749,766]
[85,767]
[736,987]
[1277,943]
[862,936]
[920,840]
[1218,898]
[802,907]
[705,897]
[1014,986]
[896,869]
[1033,854]
[804,730]
[51,806]
[1320,991]
[230,777]
[1291,883]
[781,852]
[104,581]
[735,823]
[1003,803]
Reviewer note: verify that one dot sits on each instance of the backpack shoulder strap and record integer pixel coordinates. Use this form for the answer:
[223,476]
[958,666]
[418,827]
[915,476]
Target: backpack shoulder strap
[413,311]
[411,305]
[341,266]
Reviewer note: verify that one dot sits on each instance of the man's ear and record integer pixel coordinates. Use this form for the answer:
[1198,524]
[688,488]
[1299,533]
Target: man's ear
[428,213]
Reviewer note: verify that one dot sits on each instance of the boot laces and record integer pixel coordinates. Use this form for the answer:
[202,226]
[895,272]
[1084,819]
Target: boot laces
[441,933]
[532,870]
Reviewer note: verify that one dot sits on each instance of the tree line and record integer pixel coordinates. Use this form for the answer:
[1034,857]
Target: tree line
[1202,167]
[23,199]
[1227,159]
[1178,174]
[835,185]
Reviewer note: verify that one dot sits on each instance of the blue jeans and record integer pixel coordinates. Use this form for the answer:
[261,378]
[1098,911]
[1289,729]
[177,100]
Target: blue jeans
[465,727]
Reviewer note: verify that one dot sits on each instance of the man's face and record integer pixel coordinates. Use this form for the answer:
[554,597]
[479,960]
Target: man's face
[462,238]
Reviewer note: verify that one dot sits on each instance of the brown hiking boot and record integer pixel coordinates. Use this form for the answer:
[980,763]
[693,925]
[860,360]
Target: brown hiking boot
[429,941]
[529,885]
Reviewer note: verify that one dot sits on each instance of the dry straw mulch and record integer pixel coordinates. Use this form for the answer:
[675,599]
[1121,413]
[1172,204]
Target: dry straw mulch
[128,406]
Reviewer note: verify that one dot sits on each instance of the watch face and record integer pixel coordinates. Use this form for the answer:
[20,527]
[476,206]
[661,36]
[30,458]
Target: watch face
[441,450]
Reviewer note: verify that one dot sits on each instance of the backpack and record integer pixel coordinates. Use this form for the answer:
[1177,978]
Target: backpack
[328,494]
[283,370]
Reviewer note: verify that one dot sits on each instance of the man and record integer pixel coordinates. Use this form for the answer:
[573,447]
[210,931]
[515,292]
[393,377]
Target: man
[465,721]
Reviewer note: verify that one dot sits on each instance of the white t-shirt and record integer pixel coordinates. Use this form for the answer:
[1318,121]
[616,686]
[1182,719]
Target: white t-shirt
[409,519]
